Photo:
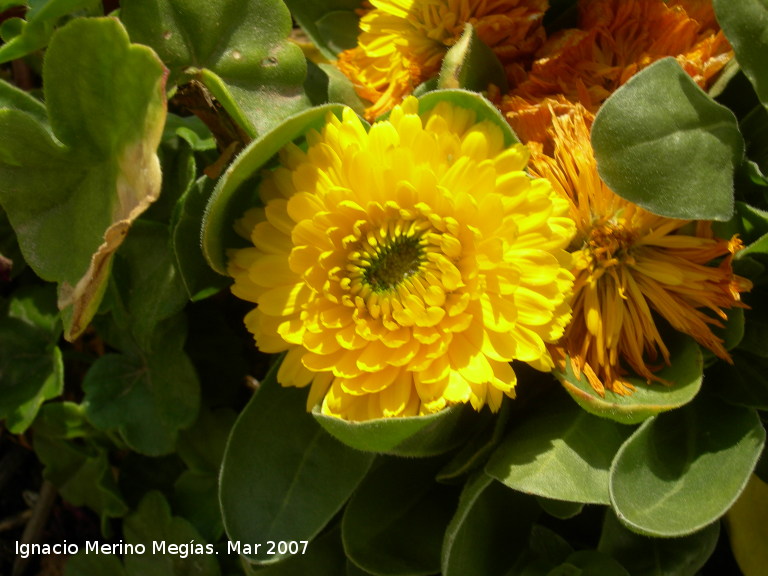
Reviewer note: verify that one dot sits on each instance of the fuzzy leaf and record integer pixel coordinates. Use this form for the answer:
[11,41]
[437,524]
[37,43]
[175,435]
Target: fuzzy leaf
[674,156]
[682,470]
[559,452]
[745,24]
[644,556]
[394,523]
[490,528]
[283,477]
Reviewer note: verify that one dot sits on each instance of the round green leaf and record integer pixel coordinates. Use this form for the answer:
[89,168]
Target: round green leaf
[674,156]
[236,190]
[146,395]
[153,524]
[685,373]
[559,452]
[394,523]
[416,436]
[239,49]
[644,556]
[745,24]
[283,476]
[682,470]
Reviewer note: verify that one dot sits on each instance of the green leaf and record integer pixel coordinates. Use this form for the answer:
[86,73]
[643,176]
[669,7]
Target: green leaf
[31,367]
[89,564]
[685,373]
[479,446]
[682,470]
[199,280]
[415,436]
[13,97]
[589,563]
[89,174]
[236,191]
[674,156]
[173,547]
[65,420]
[470,64]
[196,494]
[83,475]
[745,24]
[190,129]
[150,290]
[326,83]
[321,20]
[146,396]
[559,452]
[490,528]
[746,527]
[644,556]
[323,557]
[743,383]
[560,508]
[236,48]
[34,33]
[283,477]
[395,521]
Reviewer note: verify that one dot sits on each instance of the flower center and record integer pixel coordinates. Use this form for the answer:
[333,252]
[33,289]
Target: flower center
[393,262]
[610,243]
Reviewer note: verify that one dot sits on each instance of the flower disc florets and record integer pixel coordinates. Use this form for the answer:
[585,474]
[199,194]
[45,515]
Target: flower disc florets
[403,268]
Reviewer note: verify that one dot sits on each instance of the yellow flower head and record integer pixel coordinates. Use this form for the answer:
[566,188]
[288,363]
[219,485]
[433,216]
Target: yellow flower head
[632,266]
[615,40]
[403,268]
[402,42]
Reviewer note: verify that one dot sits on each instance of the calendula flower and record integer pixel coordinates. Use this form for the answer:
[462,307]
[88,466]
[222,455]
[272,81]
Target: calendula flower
[615,40]
[631,268]
[401,269]
[402,42]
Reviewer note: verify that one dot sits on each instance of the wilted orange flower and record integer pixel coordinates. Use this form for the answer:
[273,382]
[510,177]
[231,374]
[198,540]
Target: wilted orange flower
[615,40]
[632,266]
[402,42]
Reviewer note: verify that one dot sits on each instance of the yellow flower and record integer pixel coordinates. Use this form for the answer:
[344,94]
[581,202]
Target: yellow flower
[403,268]
[402,42]
[615,40]
[631,267]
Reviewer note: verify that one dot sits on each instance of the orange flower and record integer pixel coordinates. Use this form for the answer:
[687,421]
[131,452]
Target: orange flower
[616,39]
[632,267]
[402,42]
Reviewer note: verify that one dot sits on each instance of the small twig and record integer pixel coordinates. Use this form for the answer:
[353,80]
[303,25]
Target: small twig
[37,521]
[14,521]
